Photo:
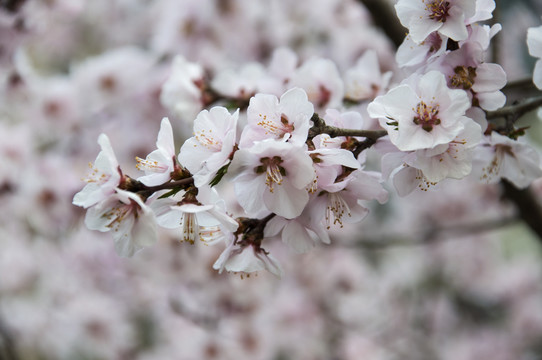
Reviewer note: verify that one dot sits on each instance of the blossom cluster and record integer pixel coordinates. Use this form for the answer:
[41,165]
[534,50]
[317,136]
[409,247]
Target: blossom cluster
[437,117]
[294,173]
[447,274]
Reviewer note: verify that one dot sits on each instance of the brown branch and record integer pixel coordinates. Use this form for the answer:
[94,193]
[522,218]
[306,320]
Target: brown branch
[526,203]
[384,17]
[320,127]
[516,110]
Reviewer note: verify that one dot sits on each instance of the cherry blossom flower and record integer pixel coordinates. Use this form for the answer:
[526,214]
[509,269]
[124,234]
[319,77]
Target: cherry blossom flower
[246,259]
[272,176]
[130,220]
[365,81]
[505,158]
[211,146]
[202,217]
[105,79]
[452,160]
[240,84]
[182,92]
[411,53]
[299,233]
[422,112]
[105,176]
[422,17]
[321,80]
[465,69]
[534,43]
[269,118]
[340,202]
[161,162]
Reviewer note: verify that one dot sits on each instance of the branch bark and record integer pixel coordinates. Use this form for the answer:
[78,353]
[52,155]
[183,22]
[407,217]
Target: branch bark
[528,207]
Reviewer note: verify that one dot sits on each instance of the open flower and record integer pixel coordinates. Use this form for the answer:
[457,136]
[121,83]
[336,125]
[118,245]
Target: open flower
[421,113]
[130,220]
[103,179]
[272,176]
[269,118]
[161,162]
[510,159]
[212,144]
[246,259]
[197,216]
[422,17]
[181,93]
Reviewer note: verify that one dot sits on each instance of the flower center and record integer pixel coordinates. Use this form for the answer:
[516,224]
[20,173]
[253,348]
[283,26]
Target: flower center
[207,140]
[273,171]
[426,116]
[190,226]
[464,77]
[438,10]
[118,214]
[150,165]
[278,129]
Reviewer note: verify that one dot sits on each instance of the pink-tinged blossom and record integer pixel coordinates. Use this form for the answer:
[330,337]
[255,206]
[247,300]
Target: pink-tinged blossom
[246,259]
[465,69]
[365,81]
[422,112]
[111,77]
[279,72]
[130,220]
[212,145]
[482,35]
[201,218]
[484,11]
[422,17]
[240,84]
[411,53]
[269,118]
[341,202]
[505,158]
[452,160]
[321,80]
[272,176]
[300,233]
[328,164]
[105,176]
[159,164]
[534,43]
[182,92]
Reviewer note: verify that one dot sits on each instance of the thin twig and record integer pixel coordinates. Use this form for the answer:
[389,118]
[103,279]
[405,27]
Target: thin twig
[320,127]
[516,110]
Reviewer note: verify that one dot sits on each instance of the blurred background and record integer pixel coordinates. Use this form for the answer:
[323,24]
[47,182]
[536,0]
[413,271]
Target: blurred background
[449,274]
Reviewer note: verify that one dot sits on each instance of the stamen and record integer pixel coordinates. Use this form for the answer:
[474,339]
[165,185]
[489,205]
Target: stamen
[438,10]
[206,139]
[189,224]
[338,207]
[463,78]
[278,129]
[150,165]
[426,116]
[274,173]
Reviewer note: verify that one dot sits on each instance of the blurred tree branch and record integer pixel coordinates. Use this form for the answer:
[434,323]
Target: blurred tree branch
[437,233]
[385,18]
[529,209]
